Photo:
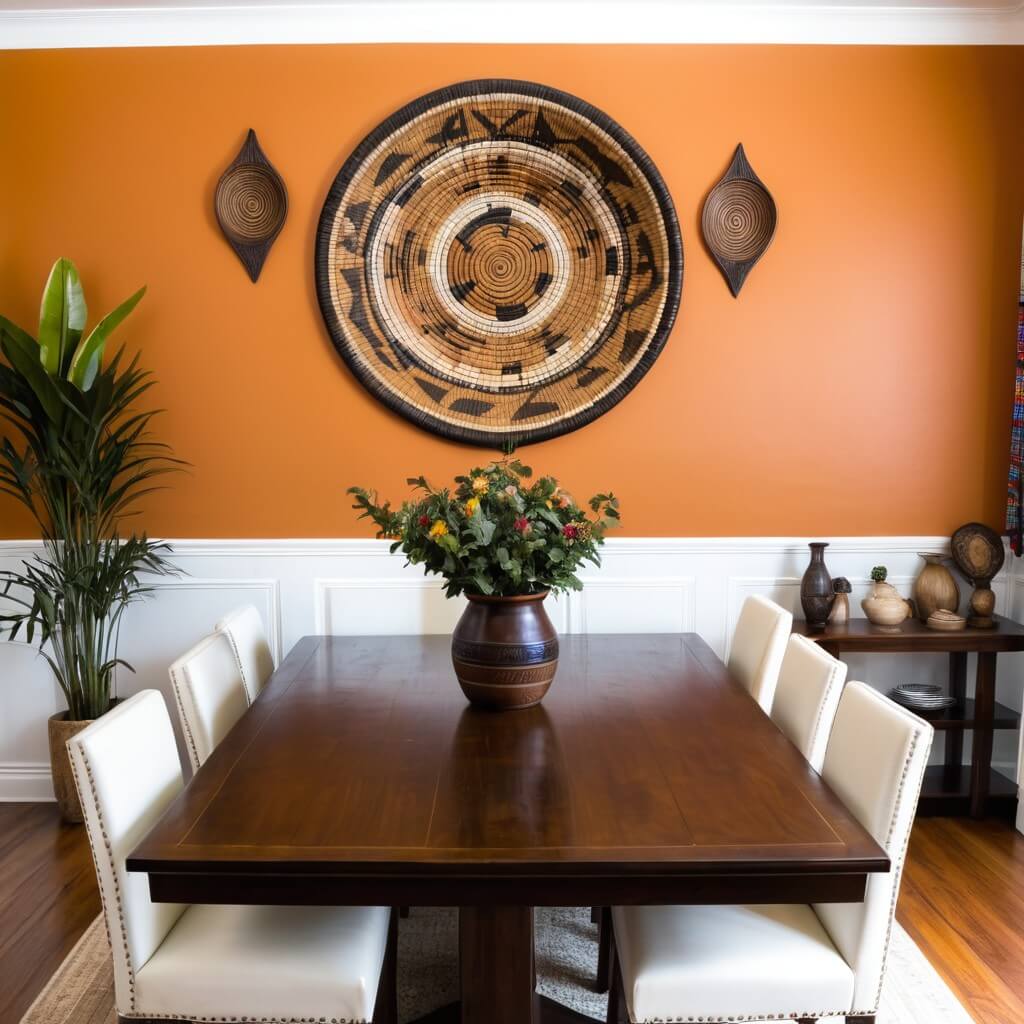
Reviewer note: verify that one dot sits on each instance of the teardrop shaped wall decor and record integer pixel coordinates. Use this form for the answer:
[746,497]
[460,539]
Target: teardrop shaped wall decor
[251,204]
[738,221]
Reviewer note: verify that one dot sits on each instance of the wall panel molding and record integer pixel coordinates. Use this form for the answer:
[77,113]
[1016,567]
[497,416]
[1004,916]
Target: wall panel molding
[355,585]
[94,23]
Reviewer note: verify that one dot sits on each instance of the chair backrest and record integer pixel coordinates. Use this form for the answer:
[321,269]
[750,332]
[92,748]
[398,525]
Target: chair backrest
[758,645]
[244,628]
[806,699]
[127,772]
[210,695]
[875,764]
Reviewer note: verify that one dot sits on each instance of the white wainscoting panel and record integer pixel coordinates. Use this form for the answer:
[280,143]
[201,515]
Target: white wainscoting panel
[609,604]
[361,607]
[356,587]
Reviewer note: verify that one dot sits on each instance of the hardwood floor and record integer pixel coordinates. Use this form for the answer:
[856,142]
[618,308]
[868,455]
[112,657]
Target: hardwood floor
[48,895]
[962,902]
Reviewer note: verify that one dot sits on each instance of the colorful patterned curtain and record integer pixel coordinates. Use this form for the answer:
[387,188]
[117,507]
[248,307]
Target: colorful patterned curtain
[1014,520]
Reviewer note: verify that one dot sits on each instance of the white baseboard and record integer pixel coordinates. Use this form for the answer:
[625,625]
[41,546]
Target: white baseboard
[662,584]
[26,783]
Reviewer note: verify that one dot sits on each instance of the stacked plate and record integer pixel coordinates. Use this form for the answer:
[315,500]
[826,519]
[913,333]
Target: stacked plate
[922,697]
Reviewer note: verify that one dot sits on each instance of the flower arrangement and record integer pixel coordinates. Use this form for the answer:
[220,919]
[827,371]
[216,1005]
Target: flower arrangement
[495,533]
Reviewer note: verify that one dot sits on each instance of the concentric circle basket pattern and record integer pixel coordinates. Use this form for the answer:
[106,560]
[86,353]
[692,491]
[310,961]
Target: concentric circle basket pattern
[499,262]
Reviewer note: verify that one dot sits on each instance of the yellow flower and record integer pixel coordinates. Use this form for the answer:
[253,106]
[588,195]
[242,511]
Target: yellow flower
[439,529]
[472,505]
[480,484]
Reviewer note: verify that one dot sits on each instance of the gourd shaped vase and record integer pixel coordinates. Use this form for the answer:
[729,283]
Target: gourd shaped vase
[935,587]
[884,606]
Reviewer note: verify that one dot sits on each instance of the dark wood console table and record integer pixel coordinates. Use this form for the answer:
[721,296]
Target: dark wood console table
[951,788]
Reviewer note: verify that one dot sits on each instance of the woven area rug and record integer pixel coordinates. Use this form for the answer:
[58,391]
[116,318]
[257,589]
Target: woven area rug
[82,990]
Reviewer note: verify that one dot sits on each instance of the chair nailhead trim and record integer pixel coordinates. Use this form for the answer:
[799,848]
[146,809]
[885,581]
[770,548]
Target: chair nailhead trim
[833,676]
[186,726]
[238,663]
[113,871]
[898,873]
[192,1019]
[816,1014]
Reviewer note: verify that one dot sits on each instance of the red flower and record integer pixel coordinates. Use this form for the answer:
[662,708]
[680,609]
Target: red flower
[424,520]
[570,531]
[522,524]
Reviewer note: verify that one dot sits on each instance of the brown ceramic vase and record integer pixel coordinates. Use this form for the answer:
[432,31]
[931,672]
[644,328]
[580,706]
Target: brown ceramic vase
[505,651]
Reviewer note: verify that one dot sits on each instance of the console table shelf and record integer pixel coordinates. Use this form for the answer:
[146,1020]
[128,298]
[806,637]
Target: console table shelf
[951,788]
[964,717]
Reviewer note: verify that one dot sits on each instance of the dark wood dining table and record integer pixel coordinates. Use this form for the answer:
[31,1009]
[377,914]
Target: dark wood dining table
[360,776]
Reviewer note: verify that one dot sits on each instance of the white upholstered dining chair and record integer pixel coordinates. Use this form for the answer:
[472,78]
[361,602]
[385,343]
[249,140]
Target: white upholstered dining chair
[807,697]
[210,695]
[758,645]
[202,963]
[244,629]
[799,962]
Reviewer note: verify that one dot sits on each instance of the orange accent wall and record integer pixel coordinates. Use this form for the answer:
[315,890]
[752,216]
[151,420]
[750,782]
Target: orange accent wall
[861,384]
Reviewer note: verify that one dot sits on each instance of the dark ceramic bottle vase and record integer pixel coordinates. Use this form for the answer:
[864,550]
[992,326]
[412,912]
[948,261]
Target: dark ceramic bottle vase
[816,594]
[505,651]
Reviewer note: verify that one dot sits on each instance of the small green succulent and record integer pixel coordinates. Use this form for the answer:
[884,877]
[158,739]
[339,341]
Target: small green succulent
[879,573]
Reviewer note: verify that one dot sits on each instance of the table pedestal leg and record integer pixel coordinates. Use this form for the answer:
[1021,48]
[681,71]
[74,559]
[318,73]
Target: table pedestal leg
[955,737]
[981,745]
[496,965]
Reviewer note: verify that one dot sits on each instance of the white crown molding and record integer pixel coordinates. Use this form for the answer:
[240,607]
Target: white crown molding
[191,23]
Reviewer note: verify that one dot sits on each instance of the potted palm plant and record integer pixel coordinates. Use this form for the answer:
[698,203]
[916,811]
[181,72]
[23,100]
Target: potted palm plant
[505,542]
[77,455]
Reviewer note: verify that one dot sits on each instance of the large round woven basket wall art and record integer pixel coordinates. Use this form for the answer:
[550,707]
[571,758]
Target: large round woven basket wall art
[499,262]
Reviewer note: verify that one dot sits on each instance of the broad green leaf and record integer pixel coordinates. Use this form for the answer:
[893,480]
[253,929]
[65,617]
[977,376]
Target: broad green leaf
[23,355]
[62,316]
[86,362]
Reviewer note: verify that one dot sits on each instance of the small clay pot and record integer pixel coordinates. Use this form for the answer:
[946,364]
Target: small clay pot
[505,651]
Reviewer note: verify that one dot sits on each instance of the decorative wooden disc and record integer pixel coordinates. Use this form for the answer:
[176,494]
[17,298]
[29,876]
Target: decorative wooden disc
[978,551]
[251,204]
[499,262]
[738,221]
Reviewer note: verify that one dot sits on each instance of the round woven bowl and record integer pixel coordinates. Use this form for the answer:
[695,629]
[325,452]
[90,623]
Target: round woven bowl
[738,221]
[499,262]
[251,204]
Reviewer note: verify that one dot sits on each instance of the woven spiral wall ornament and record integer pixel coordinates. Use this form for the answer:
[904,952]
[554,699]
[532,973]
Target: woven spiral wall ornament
[251,204]
[738,221]
[499,262]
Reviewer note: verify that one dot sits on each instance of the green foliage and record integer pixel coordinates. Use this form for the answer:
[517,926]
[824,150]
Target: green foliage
[78,455]
[495,532]
[879,573]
